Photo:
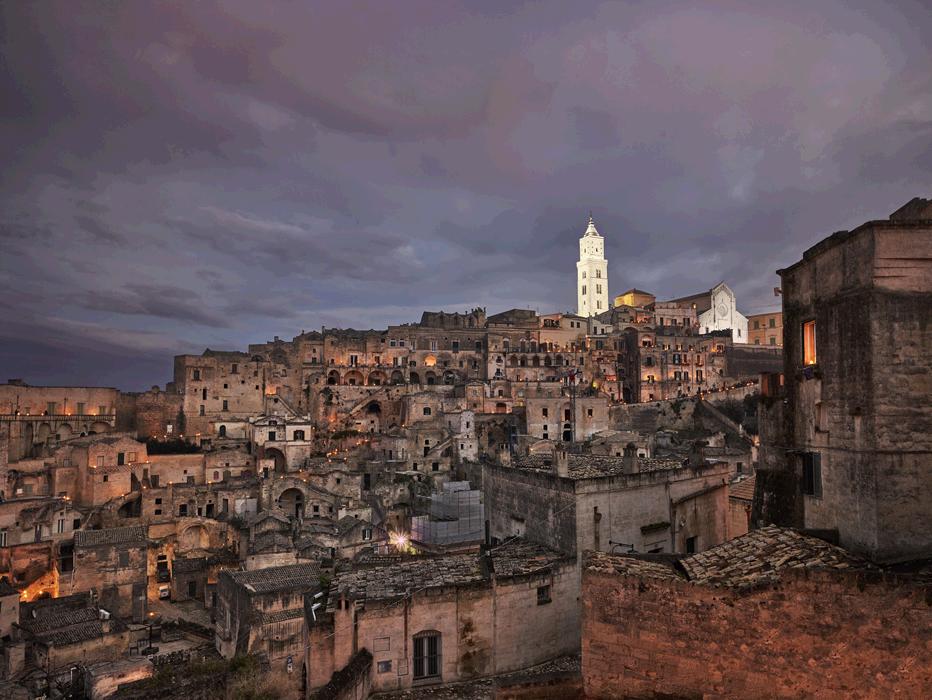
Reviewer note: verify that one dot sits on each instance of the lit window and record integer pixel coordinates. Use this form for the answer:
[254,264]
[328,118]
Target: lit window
[809,343]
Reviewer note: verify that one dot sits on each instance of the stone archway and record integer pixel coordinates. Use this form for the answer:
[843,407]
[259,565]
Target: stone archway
[333,377]
[281,464]
[194,537]
[376,378]
[414,378]
[353,378]
[291,502]
[398,377]
[64,432]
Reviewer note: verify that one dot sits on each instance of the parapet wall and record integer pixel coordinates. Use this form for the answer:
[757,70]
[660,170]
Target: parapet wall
[815,634]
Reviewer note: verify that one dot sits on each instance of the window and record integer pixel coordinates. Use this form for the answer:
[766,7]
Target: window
[106,477]
[226,405]
[544,412]
[272,435]
[158,501]
[426,655]
[584,289]
[435,466]
[384,667]
[598,289]
[543,595]
[773,323]
[124,558]
[100,460]
[216,476]
[756,325]
[131,457]
[201,410]
[183,510]
[809,343]
[196,375]
[60,526]
[426,410]
[155,480]
[773,340]
[812,474]
[80,409]
[121,458]
[298,435]
[367,533]
[589,413]
[2,538]
[691,545]
[101,410]
[584,274]
[234,368]
[456,346]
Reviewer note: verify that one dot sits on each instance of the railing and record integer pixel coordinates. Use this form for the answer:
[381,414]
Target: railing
[65,417]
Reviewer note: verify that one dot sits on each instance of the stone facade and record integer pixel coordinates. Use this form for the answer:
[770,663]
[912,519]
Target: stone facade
[766,329]
[847,436]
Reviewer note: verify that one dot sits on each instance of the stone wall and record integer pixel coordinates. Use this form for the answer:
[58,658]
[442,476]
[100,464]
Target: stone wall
[821,634]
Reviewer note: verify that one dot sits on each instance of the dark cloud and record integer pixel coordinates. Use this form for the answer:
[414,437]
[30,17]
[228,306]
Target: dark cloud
[179,175]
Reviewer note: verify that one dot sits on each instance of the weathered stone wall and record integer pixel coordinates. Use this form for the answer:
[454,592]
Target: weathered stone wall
[818,635]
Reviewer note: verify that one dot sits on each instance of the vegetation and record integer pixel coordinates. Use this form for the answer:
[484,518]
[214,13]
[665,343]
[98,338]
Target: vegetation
[744,413]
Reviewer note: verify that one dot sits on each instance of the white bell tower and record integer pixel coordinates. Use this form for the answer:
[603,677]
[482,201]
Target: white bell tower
[591,273]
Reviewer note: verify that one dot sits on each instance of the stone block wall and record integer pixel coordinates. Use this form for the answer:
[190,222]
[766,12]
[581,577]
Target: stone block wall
[821,634]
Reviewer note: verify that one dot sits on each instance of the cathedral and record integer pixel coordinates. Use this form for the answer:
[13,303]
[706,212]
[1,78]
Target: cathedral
[592,273]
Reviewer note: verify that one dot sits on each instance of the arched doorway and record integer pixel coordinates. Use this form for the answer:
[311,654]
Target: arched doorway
[398,377]
[414,378]
[376,378]
[222,431]
[353,378]
[292,502]
[65,431]
[279,457]
[333,377]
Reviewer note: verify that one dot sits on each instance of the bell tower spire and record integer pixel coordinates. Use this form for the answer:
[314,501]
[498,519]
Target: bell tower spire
[591,273]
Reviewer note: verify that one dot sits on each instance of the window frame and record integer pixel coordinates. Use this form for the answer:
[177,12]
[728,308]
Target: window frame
[426,666]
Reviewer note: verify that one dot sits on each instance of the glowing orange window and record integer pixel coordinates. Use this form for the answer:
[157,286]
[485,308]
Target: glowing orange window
[809,343]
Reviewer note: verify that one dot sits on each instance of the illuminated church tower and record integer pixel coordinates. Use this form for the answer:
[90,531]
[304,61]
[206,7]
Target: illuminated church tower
[592,273]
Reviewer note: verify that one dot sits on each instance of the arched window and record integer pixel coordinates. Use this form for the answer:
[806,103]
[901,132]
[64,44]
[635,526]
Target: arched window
[427,658]
[222,432]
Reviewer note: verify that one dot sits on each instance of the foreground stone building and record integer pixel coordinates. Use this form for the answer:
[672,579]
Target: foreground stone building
[846,440]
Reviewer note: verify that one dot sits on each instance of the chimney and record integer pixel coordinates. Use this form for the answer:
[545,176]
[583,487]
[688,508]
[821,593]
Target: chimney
[561,460]
[630,459]
[697,454]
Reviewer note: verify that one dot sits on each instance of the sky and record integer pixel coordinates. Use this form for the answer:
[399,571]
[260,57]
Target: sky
[181,175]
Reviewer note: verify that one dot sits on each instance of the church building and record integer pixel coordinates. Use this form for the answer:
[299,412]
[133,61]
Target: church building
[592,273]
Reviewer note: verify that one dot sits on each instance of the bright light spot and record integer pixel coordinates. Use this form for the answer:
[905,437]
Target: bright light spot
[399,541]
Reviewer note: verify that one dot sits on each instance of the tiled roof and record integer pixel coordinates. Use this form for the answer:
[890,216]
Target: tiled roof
[278,578]
[743,489]
[602,562]
[760,556]
[281,616]
[402,578]
[131,534]
[756,558]
[520,556]
[594,466]
[56,618]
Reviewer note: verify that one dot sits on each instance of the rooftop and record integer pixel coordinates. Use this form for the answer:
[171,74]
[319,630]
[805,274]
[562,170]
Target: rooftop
[277,578]
[743,489]
[594,466]
[131,534]
[389,578]
[759,557]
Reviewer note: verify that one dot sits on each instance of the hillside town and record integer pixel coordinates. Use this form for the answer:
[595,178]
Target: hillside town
[646,497]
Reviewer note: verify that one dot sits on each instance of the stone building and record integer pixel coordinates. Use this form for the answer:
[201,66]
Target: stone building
[591,273]
[846,434]
[577,502]
[771,614]
[63,632]
[114,563]
[262,611]
[766,329]
[433,620]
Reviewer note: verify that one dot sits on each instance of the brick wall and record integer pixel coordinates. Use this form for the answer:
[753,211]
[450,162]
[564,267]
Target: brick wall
[821,634]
